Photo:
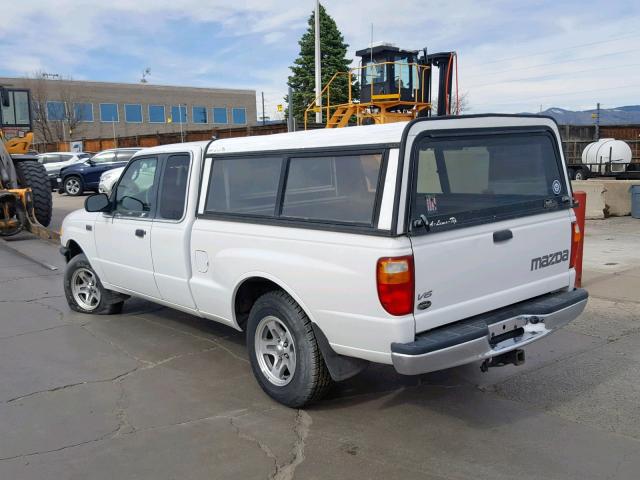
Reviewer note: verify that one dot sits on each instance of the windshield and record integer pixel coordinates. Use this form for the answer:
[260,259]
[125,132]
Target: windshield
[461,180]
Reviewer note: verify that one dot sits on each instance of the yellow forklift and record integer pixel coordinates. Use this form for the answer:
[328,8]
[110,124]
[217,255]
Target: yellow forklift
[395,86]
[25,190]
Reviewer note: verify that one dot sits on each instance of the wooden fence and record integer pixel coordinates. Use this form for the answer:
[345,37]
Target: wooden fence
[573,138]
[152,140]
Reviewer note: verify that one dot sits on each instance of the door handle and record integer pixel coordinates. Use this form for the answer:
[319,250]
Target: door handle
[140,233]
[502,236]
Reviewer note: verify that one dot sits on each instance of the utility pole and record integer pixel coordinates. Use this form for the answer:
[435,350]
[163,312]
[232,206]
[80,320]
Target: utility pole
[598,122]
[318,67]
[181,119]
[290,125]
[264,122]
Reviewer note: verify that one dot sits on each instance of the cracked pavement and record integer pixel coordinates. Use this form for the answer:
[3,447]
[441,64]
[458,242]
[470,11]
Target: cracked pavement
[159,394]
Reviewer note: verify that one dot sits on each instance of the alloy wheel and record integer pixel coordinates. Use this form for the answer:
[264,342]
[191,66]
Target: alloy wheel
[275,351]
[84,288]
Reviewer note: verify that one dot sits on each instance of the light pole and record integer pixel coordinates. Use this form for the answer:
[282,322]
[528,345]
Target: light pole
[181,119]
[318,66]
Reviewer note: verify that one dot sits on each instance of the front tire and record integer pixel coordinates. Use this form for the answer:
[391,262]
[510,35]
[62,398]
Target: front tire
[284,355]
[84,291]
[73,186]
[34,176]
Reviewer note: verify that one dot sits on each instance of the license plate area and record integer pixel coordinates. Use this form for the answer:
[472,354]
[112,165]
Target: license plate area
[505,329]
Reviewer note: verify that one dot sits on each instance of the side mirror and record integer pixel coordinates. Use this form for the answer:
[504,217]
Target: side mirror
[89,162]
[98,202]
[132,204]
[4,95]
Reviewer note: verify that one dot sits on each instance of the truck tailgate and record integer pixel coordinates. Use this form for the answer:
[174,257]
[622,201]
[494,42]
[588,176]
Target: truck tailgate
[461,273]
[490,219]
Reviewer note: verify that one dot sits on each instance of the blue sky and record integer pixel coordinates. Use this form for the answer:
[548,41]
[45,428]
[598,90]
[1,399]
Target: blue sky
[513,55]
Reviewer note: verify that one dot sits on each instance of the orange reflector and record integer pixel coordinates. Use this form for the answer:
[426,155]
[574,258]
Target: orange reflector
[576,237]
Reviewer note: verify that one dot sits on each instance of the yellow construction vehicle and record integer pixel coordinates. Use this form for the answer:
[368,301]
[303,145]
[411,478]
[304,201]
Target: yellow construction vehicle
[395,86]
[25,190]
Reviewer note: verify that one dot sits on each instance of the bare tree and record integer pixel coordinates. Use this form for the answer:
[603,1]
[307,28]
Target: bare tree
[459,104]
[66,119]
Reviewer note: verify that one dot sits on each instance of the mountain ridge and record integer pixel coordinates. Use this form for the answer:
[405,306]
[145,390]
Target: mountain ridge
[624,115]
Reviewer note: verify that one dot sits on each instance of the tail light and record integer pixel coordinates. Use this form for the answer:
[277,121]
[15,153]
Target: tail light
[576,237]
[395,281]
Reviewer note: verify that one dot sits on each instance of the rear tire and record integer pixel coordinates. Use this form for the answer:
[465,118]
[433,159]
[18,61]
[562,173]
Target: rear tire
[34,176]
[84,291]
[73,186]
[309,379]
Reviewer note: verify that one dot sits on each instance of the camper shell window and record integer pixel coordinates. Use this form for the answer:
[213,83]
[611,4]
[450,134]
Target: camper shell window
[298,188]
[465,180]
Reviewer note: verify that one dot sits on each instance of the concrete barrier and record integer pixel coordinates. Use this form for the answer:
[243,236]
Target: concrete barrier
[606,198]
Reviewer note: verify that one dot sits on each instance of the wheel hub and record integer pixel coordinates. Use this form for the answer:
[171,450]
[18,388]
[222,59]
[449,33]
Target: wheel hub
[84,289]
[275,351]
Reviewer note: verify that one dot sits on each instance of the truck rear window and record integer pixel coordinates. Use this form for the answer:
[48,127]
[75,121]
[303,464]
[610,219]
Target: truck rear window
[462,181]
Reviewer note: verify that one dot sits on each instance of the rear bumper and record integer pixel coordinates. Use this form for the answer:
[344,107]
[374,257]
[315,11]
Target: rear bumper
[489,334]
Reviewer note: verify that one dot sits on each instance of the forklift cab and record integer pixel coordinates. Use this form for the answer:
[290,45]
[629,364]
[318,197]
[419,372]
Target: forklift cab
[389,73]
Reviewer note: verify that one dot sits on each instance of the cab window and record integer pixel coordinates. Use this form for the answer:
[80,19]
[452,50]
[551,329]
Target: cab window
[173,187]
[135,195]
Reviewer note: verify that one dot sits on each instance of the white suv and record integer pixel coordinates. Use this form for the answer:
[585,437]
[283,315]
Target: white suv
[424,245]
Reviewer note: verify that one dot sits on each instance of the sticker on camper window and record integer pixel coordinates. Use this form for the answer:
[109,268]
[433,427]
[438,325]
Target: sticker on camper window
[432,204]
[556,187]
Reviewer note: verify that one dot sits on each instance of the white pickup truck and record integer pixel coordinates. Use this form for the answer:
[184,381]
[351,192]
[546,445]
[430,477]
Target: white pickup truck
[424,245]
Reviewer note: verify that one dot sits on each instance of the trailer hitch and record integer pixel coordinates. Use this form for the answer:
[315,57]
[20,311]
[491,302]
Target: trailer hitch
[514,357]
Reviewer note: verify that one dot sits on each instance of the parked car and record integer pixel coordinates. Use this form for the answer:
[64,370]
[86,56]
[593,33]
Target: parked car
[423,245]
[77,178]
[55,161]
[108,180]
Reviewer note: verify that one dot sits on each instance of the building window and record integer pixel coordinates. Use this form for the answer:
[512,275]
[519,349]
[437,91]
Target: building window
[83,112]
[239,115]
[133,113]
[156,114]
[109,112]
[220,115]
[179,114]
[199,114]
[55,111]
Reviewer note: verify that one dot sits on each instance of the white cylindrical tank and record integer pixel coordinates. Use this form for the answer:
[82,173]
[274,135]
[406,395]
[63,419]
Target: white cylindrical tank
[607,151]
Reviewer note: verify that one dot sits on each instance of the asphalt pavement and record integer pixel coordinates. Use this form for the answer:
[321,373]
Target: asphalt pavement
[63,204]
[158,394]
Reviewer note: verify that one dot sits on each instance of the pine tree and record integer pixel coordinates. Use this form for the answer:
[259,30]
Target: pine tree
[333,51]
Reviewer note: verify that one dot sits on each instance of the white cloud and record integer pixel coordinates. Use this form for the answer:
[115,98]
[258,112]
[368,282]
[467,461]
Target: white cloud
[64,36]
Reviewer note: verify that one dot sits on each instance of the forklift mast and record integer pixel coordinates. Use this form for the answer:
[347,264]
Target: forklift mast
[444,62]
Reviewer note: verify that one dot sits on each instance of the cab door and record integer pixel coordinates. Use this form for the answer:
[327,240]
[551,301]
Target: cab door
[123,241]
[171,231]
